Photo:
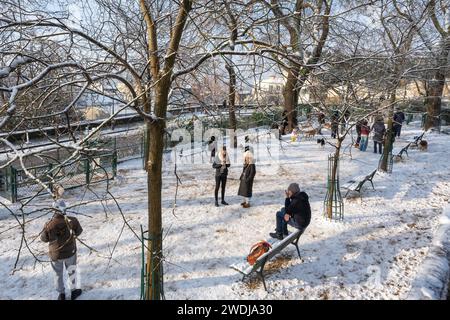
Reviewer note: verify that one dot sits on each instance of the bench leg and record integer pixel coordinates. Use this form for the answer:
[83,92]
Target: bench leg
[346,194]
[261,276]
[372,185]
[296,247]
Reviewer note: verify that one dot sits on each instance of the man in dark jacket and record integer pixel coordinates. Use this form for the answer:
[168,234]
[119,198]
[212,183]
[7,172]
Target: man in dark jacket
[296,212]
[399,118]
[61,232]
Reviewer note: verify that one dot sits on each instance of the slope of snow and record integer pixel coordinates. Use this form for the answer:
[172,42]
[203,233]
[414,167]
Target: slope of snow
[433,276]
[373,254]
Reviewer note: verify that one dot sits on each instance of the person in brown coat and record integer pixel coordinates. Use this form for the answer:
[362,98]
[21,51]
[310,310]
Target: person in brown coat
[246,179]
[60,233]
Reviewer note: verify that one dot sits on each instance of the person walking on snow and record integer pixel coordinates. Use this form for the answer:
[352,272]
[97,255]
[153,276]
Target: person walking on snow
[296,212]
[246,179]
[399,118]
[378,136]
[221,164]
[61,233]
[365,131]
[358,133]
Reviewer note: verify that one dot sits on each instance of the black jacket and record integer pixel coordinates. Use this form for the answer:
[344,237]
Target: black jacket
[246,184]
[298,208]
[399,118]
[221,170]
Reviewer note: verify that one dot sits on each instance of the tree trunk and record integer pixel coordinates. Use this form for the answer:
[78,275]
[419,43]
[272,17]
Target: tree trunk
[433,101]
[232,101]
[290,94]
[154,187]
[334,178]
[156,128]
[388,140]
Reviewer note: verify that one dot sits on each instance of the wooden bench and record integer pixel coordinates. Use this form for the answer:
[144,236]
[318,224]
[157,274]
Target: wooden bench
[246,269]
[358,182]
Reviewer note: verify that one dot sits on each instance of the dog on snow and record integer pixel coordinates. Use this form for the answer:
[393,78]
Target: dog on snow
[321,142]
[423,145]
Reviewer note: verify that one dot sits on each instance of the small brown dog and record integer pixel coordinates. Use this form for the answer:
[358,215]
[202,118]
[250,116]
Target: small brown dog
[423,145]
[310,133]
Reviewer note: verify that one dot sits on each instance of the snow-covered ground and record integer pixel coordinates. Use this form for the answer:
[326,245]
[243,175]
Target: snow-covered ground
[373,254]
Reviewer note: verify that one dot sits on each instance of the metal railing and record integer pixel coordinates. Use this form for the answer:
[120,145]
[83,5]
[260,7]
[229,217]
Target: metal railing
[16,184]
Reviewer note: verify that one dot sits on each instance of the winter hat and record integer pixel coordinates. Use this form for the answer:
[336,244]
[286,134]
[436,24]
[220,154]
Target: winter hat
[60,206]
[294,188]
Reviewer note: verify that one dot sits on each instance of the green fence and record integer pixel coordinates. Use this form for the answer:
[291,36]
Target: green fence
[16,184]
[129,147]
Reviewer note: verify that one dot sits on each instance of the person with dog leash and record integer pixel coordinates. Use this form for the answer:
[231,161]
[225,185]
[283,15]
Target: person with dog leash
[61,233]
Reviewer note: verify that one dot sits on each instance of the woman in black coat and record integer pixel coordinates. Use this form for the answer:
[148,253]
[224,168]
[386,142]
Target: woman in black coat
[247,176]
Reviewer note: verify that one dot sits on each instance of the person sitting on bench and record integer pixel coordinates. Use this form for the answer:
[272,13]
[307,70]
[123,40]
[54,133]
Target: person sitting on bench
[296,212]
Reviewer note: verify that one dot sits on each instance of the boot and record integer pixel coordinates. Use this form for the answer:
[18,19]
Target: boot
[275,235]
[62,296]
[75,294]
[224,203]
[246,205]
[217,203]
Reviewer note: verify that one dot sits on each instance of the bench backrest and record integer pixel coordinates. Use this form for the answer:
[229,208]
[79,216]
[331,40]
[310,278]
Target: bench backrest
[405,148]
[419,138]
[370,176]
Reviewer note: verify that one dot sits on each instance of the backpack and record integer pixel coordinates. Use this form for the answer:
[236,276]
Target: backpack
[257,250]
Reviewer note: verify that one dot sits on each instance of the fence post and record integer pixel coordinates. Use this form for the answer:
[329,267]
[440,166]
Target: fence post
[50,173]
[114,163]
[13,184]
[88,170]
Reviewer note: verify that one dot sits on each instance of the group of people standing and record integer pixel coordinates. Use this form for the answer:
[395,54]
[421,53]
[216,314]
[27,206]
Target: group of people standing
[296,211]
[221,162]
[363,131]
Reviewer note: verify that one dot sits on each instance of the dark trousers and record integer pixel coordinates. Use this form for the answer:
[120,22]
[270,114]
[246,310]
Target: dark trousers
[282,224]
[380,147]
[220,181]
[334,133]
[358,139]
[397,130]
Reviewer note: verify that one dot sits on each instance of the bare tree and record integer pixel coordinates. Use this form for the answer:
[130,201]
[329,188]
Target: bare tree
[440,17]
